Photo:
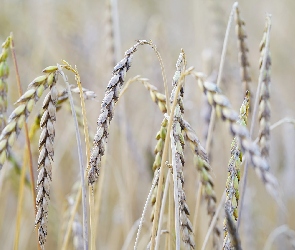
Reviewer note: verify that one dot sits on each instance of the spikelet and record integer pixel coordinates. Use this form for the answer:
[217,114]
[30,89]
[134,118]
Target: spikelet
[233,179]
[4,72]
[243,50]
[202,164]
[157,97]
[177,145]
[264,104]
[46,149]
[107,111]
[161,136]
[25,105]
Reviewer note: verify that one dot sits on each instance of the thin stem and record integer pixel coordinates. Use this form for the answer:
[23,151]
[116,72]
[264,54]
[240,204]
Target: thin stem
[170,214]
[20,202]
[219,78]
[73,212]
[213,222]
[245,174]
[198,202]
[87,143]
[176,200]
[79,145]
[29,152]
[156,178]
[165,195]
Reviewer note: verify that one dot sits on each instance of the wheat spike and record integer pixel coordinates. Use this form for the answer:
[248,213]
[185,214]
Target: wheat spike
[177,145]
[202,164]
[264,104]
[19,115]
[233,180]
[4,73]
[46,149]
[243,50]
[107,111]
[224,110]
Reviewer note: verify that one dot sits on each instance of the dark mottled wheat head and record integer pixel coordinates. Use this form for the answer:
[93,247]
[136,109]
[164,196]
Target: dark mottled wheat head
[178,141]
[45,157]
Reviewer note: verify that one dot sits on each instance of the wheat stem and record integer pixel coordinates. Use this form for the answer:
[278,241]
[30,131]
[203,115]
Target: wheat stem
[80,154]
[219,78]
[165,194]
[154,183]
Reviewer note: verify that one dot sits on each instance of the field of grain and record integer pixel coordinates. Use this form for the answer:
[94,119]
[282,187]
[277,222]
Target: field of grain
[173,144]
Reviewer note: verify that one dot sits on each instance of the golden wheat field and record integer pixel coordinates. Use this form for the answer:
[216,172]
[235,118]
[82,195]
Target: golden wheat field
[147,125]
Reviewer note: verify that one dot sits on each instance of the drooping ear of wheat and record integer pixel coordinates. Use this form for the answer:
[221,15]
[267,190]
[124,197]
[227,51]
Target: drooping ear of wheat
[107,111]
[224,110]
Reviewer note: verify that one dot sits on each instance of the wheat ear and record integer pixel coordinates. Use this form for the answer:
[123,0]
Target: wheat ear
[177,146]
[45,157]
[243,50]
[202,163]
[107,111]
[4,72]
[264,104]
[26,103]
[224,110]
[233,179]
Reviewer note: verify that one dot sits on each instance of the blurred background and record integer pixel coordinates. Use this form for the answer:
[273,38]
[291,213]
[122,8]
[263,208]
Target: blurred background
[93,35]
